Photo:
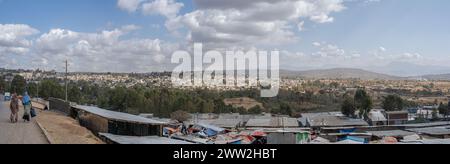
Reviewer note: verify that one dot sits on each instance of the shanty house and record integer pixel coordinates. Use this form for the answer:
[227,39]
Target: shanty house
[397,117]
[104,121]
[376,117]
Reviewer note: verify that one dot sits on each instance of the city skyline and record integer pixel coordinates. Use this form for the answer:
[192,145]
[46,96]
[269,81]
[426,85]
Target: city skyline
[386,36]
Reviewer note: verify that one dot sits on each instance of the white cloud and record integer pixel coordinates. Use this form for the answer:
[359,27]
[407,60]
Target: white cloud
[103,51]
[129,28]
[409,56]
[129,5]
[245,23]
[300,26]
[13,38]
[329,50]
[371,1]
[255,22]
[316,44]
[167,8]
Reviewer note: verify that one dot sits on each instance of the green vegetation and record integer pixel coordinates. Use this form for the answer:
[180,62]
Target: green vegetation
[393,103]
[361,102]
[163,101]
[444,109]
[434,114]
[3,84]
[255,110]
[18,84]
[348,107]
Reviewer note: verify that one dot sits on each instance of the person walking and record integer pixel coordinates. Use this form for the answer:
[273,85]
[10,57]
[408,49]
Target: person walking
[26,101]
[14,106]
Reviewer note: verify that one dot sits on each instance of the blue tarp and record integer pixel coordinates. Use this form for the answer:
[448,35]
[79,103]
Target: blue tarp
[357,139]
[210,130]
[347,130]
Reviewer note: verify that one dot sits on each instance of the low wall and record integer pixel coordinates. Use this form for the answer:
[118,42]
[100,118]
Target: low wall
[40,103]
[59,105]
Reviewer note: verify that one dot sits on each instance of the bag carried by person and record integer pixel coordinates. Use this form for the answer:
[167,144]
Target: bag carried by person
[33,113]
[26,117]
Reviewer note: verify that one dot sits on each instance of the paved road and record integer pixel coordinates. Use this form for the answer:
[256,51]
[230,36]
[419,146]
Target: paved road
[19,133]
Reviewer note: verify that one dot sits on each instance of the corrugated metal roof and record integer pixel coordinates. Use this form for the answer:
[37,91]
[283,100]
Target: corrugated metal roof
[209,126]
[334,121]
[273,122]
[441,130]
[436,141]
[117,115]
[278,129]
[229,116]
[391,133]
[141,140]
[376,115]
[432,141]
[431,124]
[397,112]
[224,123]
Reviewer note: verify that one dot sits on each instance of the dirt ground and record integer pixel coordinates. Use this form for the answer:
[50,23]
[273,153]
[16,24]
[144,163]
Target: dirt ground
[65,130]
[244,102]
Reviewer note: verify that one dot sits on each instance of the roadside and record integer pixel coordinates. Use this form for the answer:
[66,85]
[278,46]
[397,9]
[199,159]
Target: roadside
[46,127]
[65,130]
[19,133]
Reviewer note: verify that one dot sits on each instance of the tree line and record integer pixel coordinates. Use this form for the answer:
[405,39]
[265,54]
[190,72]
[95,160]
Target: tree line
[362,103]
[161,101]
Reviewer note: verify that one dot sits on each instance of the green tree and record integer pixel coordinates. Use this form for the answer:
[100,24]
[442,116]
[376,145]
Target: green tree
[443,109]
[74,93]
[118,99]
[190,107]
[50,88]
[18,84]
[240,110]
[348,107]
[363,102]
[393,103]
[434,114]
[32,89]
[255,110]
[285,109]
[208,106]
[3,85]
[334,85]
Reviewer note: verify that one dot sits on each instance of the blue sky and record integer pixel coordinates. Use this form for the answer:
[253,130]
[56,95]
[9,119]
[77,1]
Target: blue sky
[77,15]
[373,33]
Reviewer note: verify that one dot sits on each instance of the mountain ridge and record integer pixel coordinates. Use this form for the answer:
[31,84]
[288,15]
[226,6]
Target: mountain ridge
[339,73]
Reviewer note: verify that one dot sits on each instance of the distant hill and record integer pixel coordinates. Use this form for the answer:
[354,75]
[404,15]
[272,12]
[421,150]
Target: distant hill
[406,69]
[432,77]
[339,73]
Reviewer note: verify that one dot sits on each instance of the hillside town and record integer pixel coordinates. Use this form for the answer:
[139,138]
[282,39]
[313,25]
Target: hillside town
[422,118]
[436,87]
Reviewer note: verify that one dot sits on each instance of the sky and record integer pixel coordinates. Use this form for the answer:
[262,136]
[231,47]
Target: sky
[387,36]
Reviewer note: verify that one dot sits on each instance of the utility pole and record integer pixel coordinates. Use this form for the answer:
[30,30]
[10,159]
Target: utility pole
[37,89]
[65,81]
[37,86]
